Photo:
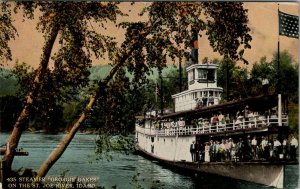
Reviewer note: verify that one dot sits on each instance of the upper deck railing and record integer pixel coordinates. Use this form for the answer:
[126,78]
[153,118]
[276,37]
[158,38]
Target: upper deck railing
[254,123]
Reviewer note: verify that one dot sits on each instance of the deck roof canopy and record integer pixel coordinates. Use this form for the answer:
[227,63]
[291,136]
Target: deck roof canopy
[256,104]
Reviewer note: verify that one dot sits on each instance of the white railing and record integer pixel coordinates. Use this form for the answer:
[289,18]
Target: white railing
[255,122]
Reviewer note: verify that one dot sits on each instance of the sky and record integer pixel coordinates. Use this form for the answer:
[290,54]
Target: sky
[263,22]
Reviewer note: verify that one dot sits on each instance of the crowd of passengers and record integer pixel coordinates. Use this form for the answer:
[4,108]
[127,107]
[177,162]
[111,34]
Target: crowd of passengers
[246,116]
[255,148]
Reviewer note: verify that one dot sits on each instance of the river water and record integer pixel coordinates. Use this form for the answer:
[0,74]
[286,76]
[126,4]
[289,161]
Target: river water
[123,171]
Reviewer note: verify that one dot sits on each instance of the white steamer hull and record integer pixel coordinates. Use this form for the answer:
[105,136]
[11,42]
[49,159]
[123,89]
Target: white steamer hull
[174,152]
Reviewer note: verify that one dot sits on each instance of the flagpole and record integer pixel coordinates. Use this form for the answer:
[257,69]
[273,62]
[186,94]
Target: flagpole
[278,57]
[278,76]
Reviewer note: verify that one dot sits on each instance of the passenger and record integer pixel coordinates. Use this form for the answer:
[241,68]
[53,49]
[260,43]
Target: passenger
[294,145]
[200,122]
[206,152]
[197,151]
[215,151]
[276,148]
[259,151]
[251,116]
[238,122]
[212,151]
[227,150]
[181,122]
[227,119]
[232,149]
[201,152]
[270,144]
[193,151]
[239,149]
[284,148]
[254,147]
[218,151]
[206,125]
[265,148]
[222,150]
[221,118]
[215,120]
[247,149]
[246,113]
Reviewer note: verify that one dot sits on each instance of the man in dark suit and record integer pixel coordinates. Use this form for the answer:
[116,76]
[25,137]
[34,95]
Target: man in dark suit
[193,151]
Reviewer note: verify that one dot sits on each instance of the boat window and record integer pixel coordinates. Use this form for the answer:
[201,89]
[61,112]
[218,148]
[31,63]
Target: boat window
[211,75]
[194,95]
[191,75]
[211,93]
[202,74]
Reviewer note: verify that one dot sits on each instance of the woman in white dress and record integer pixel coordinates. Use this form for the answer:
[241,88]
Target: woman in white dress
[206,152]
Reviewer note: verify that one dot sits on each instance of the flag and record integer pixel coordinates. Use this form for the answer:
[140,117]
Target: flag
[288,25]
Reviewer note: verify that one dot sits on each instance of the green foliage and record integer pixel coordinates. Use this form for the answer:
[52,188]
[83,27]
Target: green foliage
[135,182]
[288,74]
[171,26]
[103,147]
[171,85]
[7,83]
[24,75]
[47,110]
[116,107]
[227,28]
[156,185]
[7,30]
[244,84]
[123,144]
[99,72]
[106,143]
[294,118]
[237,77]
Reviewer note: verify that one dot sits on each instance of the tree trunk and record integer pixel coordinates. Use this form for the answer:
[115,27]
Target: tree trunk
[20,124]
[57,152]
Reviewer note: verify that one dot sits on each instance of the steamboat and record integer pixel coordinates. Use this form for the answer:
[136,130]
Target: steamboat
[237,139]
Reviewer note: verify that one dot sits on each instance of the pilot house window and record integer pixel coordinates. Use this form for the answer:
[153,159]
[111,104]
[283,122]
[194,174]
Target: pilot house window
[202,74]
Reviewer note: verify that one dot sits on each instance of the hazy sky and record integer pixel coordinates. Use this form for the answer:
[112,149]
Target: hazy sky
[263,21]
